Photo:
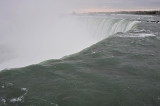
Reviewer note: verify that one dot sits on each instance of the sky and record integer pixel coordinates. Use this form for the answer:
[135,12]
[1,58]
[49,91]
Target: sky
[78,5]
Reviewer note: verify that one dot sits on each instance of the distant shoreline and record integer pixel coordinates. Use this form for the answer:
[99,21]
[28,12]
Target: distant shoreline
[140,12]
[156,12]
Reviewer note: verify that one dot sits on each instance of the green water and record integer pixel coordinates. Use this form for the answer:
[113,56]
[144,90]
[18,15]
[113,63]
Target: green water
[118,71]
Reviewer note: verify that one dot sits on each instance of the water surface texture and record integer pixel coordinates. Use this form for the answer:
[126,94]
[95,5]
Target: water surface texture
[122,68]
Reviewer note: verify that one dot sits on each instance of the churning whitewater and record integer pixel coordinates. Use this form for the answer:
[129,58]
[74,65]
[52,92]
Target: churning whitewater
[114,61]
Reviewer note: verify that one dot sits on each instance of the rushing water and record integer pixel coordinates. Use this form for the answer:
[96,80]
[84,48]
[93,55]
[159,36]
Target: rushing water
[67,36]
[121,69]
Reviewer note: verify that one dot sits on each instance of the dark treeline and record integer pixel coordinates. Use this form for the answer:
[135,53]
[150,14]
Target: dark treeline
[140,12]
[121,12]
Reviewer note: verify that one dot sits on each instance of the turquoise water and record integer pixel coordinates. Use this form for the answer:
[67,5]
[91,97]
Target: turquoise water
[121,70]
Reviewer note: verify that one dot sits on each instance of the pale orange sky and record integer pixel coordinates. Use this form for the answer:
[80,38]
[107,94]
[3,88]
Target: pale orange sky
[12,7]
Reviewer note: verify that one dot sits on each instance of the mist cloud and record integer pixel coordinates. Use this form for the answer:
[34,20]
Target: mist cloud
[35,30]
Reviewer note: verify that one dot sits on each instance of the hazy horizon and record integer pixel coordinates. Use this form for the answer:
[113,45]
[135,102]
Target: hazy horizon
[62,6]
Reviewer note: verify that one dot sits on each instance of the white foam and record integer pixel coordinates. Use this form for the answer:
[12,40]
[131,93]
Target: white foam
[3,86]
[19,99]
[137,35]
[54,104]
[24,89]
[6,85]
[93,52]
[3,101]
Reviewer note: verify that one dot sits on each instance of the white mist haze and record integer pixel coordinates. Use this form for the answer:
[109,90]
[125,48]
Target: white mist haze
[34,31]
